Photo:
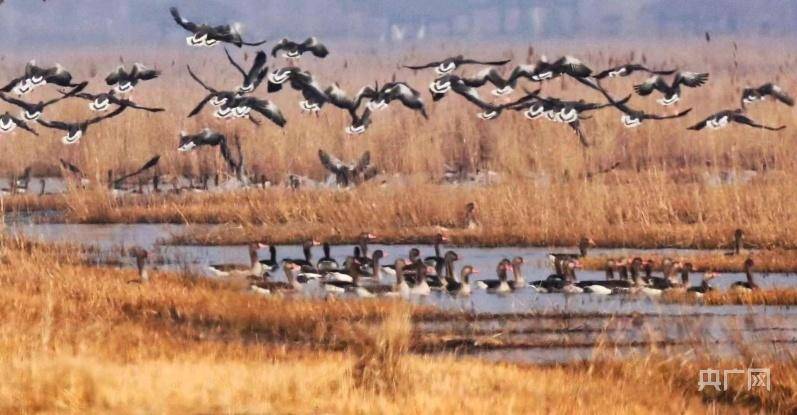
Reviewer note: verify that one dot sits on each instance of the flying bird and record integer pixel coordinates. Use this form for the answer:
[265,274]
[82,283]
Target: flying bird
[76,130]
[32,111]
[359,123]
[339,98]
[242,106]
[671,92]
[294,50]
[348,174]
[103,101]
[724,118]
[210,138]
[751,95]
[632,118]
[217,98]
[628,69]
[36,76]
[254,76]
[206,35]
[398,91]
[123,80]
[9,123]
[454,83]
[304,82]
[448,65]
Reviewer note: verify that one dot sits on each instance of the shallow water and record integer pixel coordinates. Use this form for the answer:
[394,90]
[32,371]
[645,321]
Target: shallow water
[549,328]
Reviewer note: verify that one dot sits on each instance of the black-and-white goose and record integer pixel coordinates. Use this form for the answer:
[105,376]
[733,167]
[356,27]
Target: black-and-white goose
[76,130]
[254,76]
[304,82]
[124,81]
[9,123]
[339,98]
[36,76]
[672,91]
[271,264]
[442,85]
[398,91]
[210,138]
[348,174]
[751,95]
[632,118]
[749,285]
[241,106]
[207,35]
[448,65]
[724,118]
[492,76]
[359,122]
[118,182]
[218,99]
[628,69]
[32,111]
[102,102]
[295,50]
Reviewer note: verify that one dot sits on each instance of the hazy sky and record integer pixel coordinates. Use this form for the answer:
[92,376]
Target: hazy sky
[32,23]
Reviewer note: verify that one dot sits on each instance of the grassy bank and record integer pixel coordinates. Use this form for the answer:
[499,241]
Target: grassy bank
[766,261]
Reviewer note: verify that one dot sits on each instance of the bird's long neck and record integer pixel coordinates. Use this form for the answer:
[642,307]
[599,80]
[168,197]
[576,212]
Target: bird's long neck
[609,273]
[517,272]
[308,253]
[685,276]
[273,254]
[142,270]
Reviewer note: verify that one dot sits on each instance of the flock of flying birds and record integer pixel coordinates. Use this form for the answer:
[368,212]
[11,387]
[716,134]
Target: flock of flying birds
[241,103]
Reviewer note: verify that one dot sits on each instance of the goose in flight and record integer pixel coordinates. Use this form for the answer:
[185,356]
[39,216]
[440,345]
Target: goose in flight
[76,130]
[543,70]
[206,35]
[348,174]
[254,76]
[103,101]
[32,111]
[123,81]
[359,123]
[632,118]
[628,69]
[36,76]
[210,138]
[242,106]
[9,123]
[304,82]
[724,118]
[339,98]
[454,83]
[672,91]
[448,65]
[218,99]
[398,91]
[751,95]
[295,50]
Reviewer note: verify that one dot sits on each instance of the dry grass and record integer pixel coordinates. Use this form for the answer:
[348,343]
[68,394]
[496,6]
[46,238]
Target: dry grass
[78,339]
[781,297]
[767,261]
[664,192]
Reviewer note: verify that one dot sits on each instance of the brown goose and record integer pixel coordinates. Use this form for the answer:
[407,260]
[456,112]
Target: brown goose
[255,268]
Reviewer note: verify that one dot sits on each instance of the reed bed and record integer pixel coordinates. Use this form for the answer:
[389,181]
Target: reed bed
[81,339]
[780,297]
[766,261]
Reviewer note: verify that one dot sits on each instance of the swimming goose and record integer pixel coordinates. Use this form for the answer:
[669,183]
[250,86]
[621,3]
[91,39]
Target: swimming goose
[271,264]
[518,281]
[751,95]
[495,284]
[448,65]
[207,137]
[437,260]
[348,174]
[749,285]
[607,286]
[8,123]
[421,286]
[32,111]
[307,261]
[462,287]
[704,287]
[398,91]
[295,50]
[36,76]
[76,130]
[255,268]
[583,246]
[671,92]
[628,69]
[724,118]
[445,275]
[254,76]
[124,81]
[290,285]
[327,263]
[102,102]
[361,250]
[206,35]
[402,288]
[632,118]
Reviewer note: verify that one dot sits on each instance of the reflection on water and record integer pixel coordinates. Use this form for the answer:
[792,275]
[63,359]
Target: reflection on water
[627,323]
